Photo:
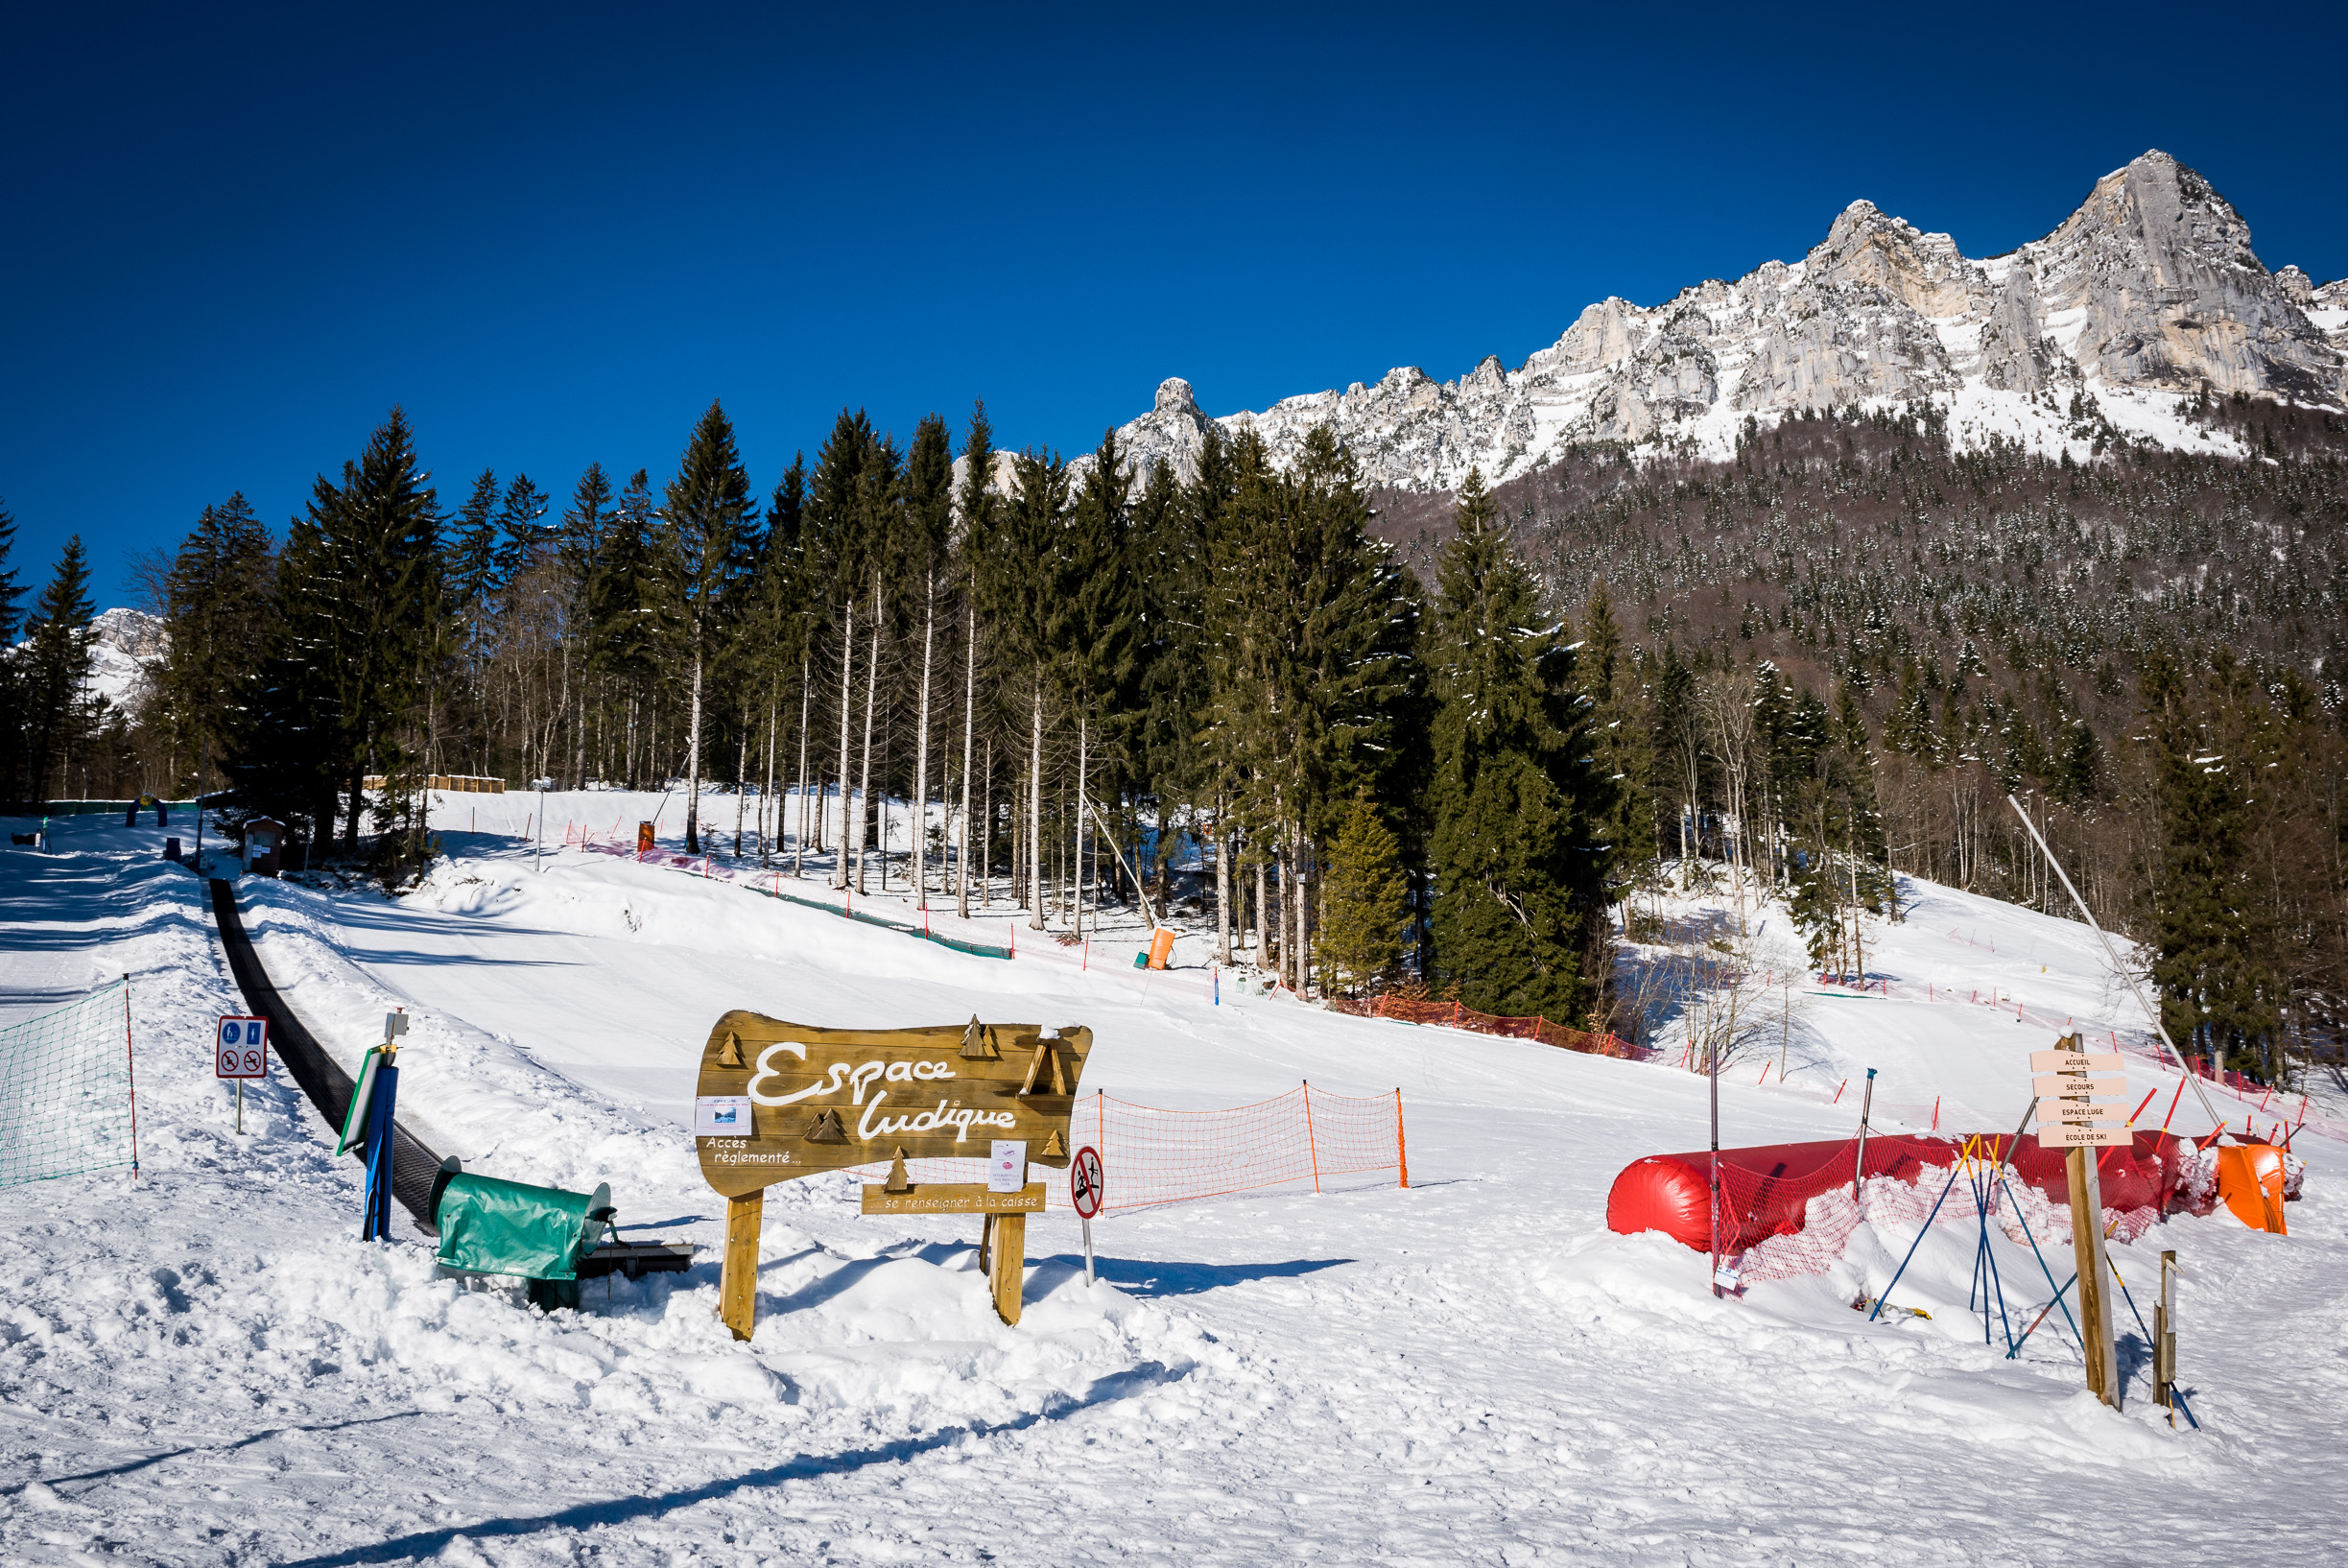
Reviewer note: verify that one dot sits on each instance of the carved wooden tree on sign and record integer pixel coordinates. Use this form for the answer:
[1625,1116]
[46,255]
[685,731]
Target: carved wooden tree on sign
[779,1100]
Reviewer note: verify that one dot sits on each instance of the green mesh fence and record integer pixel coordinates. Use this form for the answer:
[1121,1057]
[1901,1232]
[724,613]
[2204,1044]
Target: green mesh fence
[65,1090]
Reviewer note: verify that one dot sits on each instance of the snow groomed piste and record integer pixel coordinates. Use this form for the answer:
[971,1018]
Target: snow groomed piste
[208,1366]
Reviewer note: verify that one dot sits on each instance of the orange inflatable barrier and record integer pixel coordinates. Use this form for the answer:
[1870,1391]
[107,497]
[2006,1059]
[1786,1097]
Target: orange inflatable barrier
[1161,946]
[2250,1182]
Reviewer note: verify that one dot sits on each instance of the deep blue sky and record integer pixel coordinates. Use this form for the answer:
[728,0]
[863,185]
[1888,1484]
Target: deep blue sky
[232,240]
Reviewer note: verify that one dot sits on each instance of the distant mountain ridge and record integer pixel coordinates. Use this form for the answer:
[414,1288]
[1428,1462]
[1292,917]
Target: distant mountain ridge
[2147,292]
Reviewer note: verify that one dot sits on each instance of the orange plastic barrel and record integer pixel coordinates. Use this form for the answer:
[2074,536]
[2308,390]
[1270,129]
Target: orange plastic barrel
[644,838]
[1161,946]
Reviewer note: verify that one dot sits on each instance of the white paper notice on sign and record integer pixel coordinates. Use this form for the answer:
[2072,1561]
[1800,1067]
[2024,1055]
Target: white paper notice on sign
[721,1116]
[1006,1168]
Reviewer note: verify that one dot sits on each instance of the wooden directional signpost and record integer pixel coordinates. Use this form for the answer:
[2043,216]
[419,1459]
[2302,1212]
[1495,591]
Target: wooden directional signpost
[2080,1094]
[780,1101]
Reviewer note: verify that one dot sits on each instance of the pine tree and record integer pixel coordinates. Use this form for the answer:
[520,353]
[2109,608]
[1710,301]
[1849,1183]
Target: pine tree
[1094,657]
[1363,894]
[579,542]
[216,613]
[1622,744]
[1520,866]
[12,759]
[929,534]
[706,516]
[60,716]
[1023,589]
[977,506]
[376,598]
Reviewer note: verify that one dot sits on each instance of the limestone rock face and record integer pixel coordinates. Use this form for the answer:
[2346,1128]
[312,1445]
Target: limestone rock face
[2149,288]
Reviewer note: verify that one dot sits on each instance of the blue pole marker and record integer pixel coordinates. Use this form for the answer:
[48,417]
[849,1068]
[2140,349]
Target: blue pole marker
[376,1226]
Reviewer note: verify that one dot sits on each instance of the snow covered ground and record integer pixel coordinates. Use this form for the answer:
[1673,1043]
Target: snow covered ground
[207,1367]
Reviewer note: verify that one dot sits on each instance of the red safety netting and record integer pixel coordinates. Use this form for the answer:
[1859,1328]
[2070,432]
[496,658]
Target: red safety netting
[1785,1205]
[1306,1139]
[1453,1015]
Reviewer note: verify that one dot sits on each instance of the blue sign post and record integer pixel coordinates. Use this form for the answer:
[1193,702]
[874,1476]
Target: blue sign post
[369,1124]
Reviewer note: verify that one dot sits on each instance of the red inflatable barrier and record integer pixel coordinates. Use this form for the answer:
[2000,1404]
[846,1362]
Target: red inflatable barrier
[1767,1191]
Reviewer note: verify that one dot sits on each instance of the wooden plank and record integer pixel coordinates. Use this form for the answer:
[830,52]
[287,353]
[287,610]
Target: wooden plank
[2094,1289]
[738,1279]
[952,1198]
[825,1099]
[2077,1061]
[2071,1086]
[2057,1136]
[1010,1263]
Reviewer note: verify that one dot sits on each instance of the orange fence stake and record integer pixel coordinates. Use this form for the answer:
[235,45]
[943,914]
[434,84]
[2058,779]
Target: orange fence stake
[1311,1143]
[1402,1153]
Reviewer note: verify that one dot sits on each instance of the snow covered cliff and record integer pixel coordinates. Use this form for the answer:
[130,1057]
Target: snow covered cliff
[2147,292]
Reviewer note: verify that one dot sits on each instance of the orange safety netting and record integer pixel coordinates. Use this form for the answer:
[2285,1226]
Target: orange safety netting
[1306,1139]
[1455,1015]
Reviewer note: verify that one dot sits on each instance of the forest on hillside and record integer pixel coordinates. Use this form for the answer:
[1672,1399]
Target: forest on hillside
[1405,743]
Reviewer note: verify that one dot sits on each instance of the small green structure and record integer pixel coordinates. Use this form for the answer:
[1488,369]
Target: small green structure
[542,1234]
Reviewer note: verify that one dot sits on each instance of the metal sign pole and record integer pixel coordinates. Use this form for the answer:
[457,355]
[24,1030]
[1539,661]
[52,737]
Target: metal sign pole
[2120,969]
[240,1108]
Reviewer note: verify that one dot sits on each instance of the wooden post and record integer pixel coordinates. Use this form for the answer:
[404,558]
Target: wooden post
[2095,1295]
[738,1280]
[2165,1339]
[1007,1274]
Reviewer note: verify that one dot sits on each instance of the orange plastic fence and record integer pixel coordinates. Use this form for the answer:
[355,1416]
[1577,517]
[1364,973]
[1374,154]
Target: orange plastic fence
[1306,1139]
[1457,1016]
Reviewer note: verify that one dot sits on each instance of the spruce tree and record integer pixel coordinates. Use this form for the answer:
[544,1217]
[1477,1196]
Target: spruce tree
[378,605]
[60,716]
[1622,744]
[1520,861]
[929,534]
[706,521]
[1363,904]
[215,613]
[12,785]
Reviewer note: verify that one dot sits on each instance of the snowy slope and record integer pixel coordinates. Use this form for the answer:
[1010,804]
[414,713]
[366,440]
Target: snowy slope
[208,1368]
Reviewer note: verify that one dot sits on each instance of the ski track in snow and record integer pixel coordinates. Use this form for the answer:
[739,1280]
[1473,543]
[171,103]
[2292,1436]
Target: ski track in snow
[208,1367]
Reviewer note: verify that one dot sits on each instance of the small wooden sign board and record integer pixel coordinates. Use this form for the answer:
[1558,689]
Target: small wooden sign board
[954,1198]
[2077,1061]
[778,1101]
[2070,1087]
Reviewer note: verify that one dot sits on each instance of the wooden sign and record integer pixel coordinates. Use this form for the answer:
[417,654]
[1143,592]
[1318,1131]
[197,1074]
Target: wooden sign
[2075,1061]
[778,1101]
[824,1099]
[954,1198]
[2057,1136]
[2071,1086]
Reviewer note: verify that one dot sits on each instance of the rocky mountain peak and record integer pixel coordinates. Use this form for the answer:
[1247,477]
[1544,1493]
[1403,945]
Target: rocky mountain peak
[2146,293]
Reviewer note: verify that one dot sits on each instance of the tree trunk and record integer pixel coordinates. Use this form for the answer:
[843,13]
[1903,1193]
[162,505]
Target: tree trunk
[848,709]
[1261,949]
[742,780]
[921,751]
[1076,891]
[872,685]
[1222,887]
[986,834]
[1303,964]
[1036,807]
[765,795]
[970,649]
[807,696]
[692,763]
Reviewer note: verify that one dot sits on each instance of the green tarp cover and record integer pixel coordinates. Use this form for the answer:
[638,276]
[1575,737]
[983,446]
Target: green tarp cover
[490,1226]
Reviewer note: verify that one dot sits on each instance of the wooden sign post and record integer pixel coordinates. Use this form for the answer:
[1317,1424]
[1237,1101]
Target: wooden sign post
[2077,1113]
[777,1100]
